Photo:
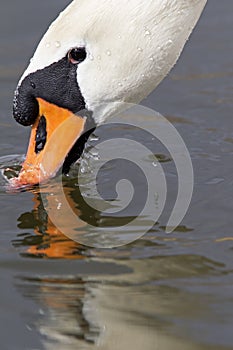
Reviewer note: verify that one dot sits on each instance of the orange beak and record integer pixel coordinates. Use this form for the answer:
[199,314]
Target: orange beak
[63,128]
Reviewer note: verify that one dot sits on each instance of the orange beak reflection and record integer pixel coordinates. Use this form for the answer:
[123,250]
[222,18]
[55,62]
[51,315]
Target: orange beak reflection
[53,243]
[63,128]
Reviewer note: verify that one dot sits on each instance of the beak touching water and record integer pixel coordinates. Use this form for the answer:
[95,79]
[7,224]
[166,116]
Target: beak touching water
[53,135]
[55,72]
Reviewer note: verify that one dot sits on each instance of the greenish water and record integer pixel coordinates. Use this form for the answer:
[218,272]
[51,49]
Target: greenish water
[162,291]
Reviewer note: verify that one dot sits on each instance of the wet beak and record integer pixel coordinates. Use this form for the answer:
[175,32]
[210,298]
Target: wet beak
[62,129]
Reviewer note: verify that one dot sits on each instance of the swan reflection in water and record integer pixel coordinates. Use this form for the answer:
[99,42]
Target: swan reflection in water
[126,299]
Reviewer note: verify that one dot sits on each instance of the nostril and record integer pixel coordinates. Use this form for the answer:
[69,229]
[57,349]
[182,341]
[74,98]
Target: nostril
[41,135]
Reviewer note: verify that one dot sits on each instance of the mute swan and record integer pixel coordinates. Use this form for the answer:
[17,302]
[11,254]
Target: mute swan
[97,55]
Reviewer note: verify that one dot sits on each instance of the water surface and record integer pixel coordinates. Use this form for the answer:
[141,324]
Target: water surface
[162,291]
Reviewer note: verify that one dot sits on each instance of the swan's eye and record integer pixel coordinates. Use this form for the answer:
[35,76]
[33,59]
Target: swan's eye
[77,55]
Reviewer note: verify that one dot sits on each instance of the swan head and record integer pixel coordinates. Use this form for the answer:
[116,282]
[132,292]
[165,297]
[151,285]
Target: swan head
[98,55]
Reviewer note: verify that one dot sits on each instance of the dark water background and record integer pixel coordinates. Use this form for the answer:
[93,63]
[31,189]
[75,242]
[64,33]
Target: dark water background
[161,292]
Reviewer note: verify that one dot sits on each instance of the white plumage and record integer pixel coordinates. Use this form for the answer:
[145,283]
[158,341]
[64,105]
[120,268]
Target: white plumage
[131,46]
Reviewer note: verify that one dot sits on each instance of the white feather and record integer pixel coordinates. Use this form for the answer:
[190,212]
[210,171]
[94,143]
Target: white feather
[131,45]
